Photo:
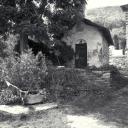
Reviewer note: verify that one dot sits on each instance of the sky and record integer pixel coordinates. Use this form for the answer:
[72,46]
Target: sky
[102,3]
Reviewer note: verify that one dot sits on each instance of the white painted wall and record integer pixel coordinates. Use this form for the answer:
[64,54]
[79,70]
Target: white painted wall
[93,38]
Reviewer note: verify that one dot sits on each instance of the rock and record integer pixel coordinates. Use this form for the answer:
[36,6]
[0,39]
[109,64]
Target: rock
[106,75]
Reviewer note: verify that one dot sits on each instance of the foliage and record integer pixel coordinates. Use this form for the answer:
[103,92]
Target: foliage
[7,46]
[3,46]
[110,17]
[18,16]
[64,53]
[27,71]
[65,15]
[7,97]
[119,42]
[64,83]
[44,19]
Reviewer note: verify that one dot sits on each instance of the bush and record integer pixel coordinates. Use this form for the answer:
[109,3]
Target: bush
[7,46]
[64,83]
[7,97]
[27,72]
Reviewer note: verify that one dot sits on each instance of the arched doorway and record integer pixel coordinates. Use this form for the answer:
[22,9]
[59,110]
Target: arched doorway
[81,54]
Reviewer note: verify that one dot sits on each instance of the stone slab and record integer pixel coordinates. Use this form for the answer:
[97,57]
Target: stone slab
[18,109]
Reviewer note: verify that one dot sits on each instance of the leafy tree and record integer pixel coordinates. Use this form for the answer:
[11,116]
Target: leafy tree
[65,15]
[45,20]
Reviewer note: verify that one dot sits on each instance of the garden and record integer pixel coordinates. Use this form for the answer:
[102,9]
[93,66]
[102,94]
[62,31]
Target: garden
[33,75]
[76,91]
[30,78]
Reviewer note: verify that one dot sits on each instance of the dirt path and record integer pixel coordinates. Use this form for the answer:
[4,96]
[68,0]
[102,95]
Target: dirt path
[87,122]
[74,121]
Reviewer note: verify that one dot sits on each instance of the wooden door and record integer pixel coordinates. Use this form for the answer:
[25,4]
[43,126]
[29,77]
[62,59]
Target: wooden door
[81,55]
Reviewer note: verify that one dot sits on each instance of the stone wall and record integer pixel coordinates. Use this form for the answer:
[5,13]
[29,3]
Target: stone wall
[105,52]
[119,61]
[96,80]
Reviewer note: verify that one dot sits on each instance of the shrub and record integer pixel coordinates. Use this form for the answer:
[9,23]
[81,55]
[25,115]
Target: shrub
[28,72]
[25,71]
[7,97]
[7,46]
[64,83]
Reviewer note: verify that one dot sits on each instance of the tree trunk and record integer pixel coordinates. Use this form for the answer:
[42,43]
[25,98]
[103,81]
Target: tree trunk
[23,43]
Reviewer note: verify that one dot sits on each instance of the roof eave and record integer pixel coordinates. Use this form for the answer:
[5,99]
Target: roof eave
[124,7]
[105,31]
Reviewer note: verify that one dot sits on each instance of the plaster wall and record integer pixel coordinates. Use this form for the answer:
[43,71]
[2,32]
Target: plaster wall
[97,46]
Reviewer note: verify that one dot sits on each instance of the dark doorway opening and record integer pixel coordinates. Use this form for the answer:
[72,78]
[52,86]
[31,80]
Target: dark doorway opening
[81,55]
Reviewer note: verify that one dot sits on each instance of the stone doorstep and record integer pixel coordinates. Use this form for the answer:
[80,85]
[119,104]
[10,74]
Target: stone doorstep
[18,109]
[102,79]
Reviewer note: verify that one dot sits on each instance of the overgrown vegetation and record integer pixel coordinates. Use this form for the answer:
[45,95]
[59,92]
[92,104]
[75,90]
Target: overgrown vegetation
[32,73]
[7,97]
[26,72]
[44,20]
[64,83]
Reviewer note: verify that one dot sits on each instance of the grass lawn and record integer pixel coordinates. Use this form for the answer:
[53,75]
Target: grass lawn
[54,118]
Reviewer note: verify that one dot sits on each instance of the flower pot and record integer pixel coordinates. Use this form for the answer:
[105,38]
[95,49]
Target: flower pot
[34,98]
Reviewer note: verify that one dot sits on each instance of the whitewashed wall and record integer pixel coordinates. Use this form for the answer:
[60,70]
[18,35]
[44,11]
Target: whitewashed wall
[97,47]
